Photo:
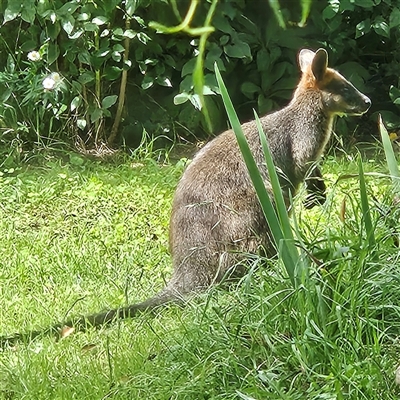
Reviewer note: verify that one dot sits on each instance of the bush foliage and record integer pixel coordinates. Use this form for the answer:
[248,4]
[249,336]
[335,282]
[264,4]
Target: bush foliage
[67,67]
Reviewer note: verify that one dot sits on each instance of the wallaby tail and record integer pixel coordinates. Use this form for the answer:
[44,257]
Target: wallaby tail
[82,323]
[164,297]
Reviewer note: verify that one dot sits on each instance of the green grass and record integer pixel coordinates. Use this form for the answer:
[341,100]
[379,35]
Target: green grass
[80,238]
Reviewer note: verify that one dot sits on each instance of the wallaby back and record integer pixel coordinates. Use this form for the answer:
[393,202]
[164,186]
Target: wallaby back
[216,217]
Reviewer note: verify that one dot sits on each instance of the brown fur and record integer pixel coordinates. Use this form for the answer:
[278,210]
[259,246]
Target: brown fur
[216,217]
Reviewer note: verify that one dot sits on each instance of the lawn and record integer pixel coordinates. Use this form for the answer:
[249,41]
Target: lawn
[80,236]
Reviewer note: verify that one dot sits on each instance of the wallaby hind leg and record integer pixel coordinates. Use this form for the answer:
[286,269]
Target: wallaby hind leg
[229,263]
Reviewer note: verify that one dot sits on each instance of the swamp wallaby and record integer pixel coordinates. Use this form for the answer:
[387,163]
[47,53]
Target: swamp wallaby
[216,217]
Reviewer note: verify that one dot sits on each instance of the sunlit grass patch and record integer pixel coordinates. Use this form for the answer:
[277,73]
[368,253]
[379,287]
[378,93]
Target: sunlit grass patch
[78,239]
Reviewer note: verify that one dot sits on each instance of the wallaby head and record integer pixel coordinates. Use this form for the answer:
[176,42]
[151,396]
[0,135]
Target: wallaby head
[339,96]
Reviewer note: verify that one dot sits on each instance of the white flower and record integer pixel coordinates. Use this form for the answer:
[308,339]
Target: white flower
[51,81]
[34,56]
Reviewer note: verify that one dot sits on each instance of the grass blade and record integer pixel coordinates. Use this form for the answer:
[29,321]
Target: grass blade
[273,176]
[369,229]
[390,157]
[305,11]
[289,248]
[276,8]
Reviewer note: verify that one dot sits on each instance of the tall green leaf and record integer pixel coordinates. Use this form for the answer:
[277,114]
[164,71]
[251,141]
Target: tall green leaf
[289,251]
[284,245]
[369,228]
[276,188]
[390,157]
[276,8]
[305,11]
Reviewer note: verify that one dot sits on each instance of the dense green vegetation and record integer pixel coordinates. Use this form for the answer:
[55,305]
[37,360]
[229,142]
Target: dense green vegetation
[81,237]
[90,71]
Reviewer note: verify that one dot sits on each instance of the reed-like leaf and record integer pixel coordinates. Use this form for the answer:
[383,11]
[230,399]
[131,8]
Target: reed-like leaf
[276,8]
[390,157]
[276,188]
[305,11]
[288,246]
[369,228]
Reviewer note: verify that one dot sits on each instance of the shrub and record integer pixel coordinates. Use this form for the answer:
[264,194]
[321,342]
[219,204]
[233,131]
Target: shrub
[104,52]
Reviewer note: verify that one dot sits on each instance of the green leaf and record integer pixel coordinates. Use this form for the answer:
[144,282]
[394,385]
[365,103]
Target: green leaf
[186,84]
[305,11]
[68,8]
[222,24]
[75,159]
[390,157]
[130,34]
[331,11]
[78,33]
[12,11]
[84,57]
[68,23]
[394,19]
[276,8]
[392,120]
[143,37]
[244,396]
[381,27]
[116,56]
[363,27]
[96,115]
[249,88]
[28,12]
[213,55]
[147,82]
[364,3]
[181,98]
[369,228]
[163,81]
[109,101]
[195,100]
[83,17]
[111,73]
[188,67]
[86,77]
[346,5]
[100,20]
[394,94]
[119,48]
[238,50]
[263,60]
[28,45]
[90,27]
[53,52]
[81,123]
[264,104]
[131,6]
[75,103]
[4,96]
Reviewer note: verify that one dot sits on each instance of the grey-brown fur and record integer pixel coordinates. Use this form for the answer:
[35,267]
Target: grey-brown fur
[216,217]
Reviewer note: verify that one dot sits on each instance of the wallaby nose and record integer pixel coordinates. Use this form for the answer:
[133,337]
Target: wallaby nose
[367,102]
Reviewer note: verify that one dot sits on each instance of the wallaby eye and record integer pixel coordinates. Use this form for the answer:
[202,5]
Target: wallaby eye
[345,89]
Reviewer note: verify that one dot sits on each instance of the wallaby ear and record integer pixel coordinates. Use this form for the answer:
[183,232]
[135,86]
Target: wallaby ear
[305,59]
[319,64]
